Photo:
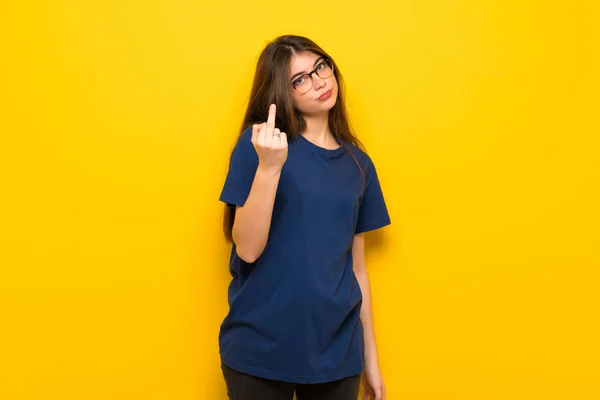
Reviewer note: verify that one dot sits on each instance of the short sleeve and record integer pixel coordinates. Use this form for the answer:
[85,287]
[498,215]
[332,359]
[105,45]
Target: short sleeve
[373,213]
[242,168]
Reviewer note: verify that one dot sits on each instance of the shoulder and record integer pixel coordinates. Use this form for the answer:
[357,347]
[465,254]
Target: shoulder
[363,158]
[244,140]
[245,137]
[243,148]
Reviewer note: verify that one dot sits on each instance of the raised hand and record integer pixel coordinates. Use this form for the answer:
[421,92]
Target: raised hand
[270,143]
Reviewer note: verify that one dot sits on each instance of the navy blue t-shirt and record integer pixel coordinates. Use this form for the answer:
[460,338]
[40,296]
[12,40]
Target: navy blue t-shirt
[295,312]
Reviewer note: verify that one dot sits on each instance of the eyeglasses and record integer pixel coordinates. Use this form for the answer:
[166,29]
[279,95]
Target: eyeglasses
[304,83]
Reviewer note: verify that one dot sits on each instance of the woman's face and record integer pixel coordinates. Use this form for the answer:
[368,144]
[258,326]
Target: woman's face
[309,103]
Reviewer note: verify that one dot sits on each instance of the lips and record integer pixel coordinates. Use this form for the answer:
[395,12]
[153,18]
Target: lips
[325,95]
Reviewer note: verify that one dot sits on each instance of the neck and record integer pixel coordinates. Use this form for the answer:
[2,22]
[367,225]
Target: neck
[318,132]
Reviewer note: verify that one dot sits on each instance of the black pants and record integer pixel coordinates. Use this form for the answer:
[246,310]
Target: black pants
[242,386]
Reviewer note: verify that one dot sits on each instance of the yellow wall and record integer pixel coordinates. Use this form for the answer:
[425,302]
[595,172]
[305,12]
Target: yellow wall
[116,123]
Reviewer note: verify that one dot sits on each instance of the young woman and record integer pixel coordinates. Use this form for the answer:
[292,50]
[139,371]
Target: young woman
[300,193]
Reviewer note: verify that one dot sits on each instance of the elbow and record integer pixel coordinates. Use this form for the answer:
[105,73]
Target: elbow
[247,256]
[361,275]
[248,251]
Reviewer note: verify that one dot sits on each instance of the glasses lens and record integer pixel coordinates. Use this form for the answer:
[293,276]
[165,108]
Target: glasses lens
[303,84]
[325,69]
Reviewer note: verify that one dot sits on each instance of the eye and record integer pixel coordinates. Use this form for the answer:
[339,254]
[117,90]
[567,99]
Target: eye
[299,81]
[321,66]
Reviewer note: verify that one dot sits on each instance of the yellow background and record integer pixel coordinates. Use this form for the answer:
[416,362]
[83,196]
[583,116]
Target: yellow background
[117,119]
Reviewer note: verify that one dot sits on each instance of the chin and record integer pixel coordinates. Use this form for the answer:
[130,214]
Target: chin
[320,107]
[330,103]
[325,107]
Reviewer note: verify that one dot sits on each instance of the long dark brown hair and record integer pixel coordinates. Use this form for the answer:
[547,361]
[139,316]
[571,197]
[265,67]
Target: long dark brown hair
[271,85]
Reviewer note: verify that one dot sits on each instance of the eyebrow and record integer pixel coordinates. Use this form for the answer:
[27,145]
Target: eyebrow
[304,72]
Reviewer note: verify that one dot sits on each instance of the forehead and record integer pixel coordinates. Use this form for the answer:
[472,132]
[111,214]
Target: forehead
[302,62]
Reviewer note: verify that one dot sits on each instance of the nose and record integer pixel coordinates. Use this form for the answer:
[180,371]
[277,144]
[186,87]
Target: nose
[318,82]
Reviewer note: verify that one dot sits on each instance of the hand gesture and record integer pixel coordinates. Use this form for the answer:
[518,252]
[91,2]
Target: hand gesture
[270,143]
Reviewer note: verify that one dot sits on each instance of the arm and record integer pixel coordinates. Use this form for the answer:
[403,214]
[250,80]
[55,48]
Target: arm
[253,220]
[366,314]
[373,380]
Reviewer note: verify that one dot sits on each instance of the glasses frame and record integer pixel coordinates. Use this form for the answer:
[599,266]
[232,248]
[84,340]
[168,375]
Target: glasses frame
[314,71]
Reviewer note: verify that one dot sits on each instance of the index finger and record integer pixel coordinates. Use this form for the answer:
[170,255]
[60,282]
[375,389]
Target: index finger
[255,131]
[271,118]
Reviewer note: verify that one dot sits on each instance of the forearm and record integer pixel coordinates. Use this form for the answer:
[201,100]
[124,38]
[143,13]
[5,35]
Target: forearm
[366,317]
[253,220]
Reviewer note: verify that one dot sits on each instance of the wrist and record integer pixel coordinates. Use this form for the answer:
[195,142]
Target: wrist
[269,170]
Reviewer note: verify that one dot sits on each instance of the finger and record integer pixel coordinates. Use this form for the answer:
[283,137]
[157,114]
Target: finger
[283,138]
[379,395]
[271,120]
[276,136]
[365,395]
[260,138]
[255,129]
[382,391]
[270,140]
